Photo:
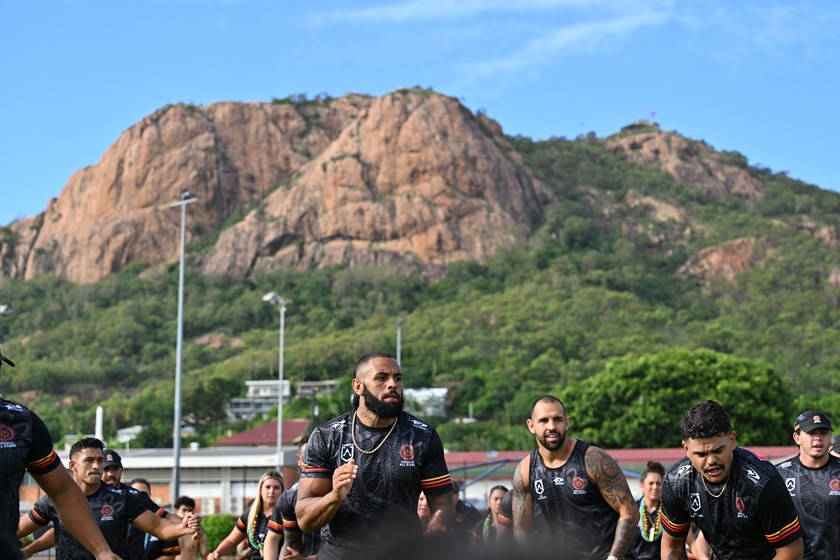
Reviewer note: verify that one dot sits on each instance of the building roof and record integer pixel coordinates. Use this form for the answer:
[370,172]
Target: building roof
[266,434]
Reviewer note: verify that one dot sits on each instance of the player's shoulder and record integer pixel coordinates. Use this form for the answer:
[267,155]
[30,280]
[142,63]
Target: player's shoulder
[789,465]
[416,423]
[755,468]
[680,470]
[337,424]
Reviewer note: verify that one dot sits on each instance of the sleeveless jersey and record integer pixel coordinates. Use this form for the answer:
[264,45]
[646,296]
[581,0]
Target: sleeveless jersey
[25,444]
[381,507]
[753,515]
[569,509]
[816,495]
[256,537]
[113,510]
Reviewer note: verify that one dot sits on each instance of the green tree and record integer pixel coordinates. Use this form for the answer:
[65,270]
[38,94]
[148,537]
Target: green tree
[639,401]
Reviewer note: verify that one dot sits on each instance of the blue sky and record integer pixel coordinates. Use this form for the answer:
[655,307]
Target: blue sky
[757,76]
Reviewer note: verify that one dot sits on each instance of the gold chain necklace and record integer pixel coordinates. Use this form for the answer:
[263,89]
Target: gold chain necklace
[719,494]
[381,443]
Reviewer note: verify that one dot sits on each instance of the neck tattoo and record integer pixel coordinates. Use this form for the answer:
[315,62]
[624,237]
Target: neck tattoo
[381,443]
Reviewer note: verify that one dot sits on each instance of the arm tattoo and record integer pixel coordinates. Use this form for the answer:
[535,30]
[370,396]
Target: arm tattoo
[520,497]
[613,485]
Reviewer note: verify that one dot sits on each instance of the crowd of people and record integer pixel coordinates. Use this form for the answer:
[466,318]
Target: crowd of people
[374,484]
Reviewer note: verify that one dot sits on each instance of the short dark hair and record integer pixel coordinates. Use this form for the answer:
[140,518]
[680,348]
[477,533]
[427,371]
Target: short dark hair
[546,398]
[304,439]
[86,443]
[184,501]
[141,481]
[501,487]
[363,361]
[653,467]
[704,420]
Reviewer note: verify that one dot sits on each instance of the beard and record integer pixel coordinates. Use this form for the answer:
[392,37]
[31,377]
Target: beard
[552,446]
[380,407]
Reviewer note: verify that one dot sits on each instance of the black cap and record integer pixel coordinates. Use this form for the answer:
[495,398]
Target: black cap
[5,359]
[112,459]
[811,420]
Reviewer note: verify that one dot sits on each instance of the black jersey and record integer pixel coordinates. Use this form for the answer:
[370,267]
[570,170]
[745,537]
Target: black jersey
[285,519]
[113,510]
[136,540]
[506,511]
[25,444]
[381,507]
[155,548]
[753,515]
[816,495]
[569,509]
[254,536]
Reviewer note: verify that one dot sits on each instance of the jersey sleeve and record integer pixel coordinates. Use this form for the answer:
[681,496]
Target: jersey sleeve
[317,459]
[434,478]
[41,458]
[41,512]
[151,505]
[777,514]
[674,515]
[287,511]
[275,522]
[242,523]
[506,512]
[134,504]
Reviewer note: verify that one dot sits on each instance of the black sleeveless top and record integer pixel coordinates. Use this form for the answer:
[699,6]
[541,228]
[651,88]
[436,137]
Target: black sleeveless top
[569,510]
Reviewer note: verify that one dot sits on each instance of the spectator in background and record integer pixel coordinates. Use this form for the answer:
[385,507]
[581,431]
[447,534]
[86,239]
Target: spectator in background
[647,544]
[466,516]
[487,528]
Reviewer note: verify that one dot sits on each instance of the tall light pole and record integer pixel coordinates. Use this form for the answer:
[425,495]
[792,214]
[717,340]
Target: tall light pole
[275,299]
[186,198]
[400,321]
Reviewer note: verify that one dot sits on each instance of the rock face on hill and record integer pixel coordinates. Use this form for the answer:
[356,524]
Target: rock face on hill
[411,179]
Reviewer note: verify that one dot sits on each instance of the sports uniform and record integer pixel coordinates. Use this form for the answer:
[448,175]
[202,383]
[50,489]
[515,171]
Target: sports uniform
[25,444]
[284,518]
[380,510]
[254,535]
[113,509]
[569,510]
[749,516]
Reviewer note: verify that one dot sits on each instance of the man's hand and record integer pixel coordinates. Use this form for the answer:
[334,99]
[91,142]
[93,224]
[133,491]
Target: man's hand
[291,554]
[343,478]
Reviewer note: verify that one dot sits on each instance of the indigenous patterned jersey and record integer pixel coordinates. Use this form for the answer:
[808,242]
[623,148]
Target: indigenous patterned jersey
[816,495]
[382,504]
[255,536]
[113,510]
[284,518]
[569,508]
[135,540]
[752,516]
[25,444]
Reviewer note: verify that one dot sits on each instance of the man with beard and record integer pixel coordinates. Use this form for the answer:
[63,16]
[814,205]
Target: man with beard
[364,470]
[570,497]
[736,499]
[813,481]
[112,509]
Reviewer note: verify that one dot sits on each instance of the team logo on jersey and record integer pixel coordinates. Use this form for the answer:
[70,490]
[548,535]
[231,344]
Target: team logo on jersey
[7,436]
[694,502]
[684,470]
[15,407]
[419,424]
[107,512]
[407,455]
[539,488]
[790,484]
[338,425]
[558,481]
[835,487]
[752,475]
[578,484]
[785,465]
[346,452]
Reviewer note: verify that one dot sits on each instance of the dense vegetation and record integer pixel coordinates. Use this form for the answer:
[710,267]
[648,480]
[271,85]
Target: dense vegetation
[590,308]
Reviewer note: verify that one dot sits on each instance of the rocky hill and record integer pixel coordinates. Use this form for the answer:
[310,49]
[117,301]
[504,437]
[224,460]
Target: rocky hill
[410,179]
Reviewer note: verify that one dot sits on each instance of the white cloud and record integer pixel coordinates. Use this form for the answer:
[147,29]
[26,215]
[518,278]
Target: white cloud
[573,38]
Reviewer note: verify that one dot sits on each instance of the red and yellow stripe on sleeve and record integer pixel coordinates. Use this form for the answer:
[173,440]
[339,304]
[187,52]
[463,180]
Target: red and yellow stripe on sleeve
[506,521]
[674,528]
[37,519]
[274,526]
[784,532]
[290,524]
[436,482]
[241,526]
[45,464]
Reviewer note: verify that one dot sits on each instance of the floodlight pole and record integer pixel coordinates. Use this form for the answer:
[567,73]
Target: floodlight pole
[186,198]
[275,299]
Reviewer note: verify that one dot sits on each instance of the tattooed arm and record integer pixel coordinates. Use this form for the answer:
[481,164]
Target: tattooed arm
[523,502]
[672,548]
[612,483]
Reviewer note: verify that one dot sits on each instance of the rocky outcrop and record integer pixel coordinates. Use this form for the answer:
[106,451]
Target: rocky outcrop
[414,182]
[724,261]
[688,161]
[411,179]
